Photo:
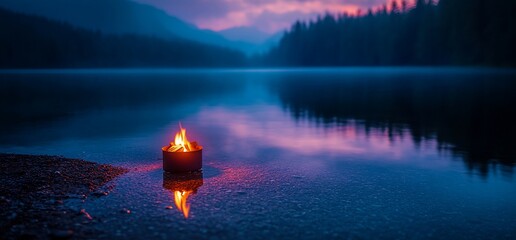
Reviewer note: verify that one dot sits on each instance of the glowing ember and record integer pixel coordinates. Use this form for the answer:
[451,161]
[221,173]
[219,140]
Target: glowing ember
[181,143]
[180,198]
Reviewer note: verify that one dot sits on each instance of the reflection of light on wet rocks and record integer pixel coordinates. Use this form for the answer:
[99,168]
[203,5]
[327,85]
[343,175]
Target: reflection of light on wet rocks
[86,214]
[125,210]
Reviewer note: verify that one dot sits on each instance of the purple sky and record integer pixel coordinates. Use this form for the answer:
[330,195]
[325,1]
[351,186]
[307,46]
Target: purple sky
[268,15]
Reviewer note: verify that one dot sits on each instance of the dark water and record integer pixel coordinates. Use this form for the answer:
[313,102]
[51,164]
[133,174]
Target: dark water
[321,153]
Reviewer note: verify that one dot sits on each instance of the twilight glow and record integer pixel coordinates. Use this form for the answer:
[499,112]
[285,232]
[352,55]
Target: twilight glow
[266,15]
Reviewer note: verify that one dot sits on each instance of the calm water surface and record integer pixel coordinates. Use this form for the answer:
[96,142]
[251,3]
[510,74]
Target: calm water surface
[321,153]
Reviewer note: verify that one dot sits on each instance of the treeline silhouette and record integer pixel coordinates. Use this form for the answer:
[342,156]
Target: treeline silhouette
[450,32]
[470,114]
[36,42]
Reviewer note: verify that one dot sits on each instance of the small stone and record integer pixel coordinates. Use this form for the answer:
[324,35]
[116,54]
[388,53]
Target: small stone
[4,199]
[125,210]
[100,194]
[86,214]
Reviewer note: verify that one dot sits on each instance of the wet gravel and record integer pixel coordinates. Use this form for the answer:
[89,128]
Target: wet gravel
[34,189]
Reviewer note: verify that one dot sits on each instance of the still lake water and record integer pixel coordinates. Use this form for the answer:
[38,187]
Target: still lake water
[312,153]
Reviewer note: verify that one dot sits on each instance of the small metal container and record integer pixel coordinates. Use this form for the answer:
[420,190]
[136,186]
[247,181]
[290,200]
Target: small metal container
[179,162]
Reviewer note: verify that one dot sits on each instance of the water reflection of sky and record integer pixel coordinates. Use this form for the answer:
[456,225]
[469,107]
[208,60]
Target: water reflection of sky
[267,128]
[256,117]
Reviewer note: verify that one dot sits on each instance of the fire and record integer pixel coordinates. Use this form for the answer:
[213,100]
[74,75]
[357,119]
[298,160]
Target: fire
[181,143]
[180,198]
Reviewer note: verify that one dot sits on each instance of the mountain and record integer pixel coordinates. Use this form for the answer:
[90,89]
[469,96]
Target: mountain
[37,42]
[262,41]
[121,17]
[245,34]
[271,42]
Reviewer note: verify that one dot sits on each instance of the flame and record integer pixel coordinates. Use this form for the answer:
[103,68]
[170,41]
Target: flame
[181,139]
[181,143]
[180,198]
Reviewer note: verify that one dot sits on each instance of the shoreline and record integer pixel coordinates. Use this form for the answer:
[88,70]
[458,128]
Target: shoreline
[33,191]
[176,70]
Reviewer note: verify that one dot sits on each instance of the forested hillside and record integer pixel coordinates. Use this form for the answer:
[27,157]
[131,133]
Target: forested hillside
[450,32]
[36,42]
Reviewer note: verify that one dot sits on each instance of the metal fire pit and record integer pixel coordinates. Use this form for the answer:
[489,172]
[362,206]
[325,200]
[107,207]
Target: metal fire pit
[178,162]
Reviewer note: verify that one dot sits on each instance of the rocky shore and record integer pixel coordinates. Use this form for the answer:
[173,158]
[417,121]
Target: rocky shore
[34,189]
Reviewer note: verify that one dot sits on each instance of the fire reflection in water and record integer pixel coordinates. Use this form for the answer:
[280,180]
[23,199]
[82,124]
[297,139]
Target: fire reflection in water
[183,186]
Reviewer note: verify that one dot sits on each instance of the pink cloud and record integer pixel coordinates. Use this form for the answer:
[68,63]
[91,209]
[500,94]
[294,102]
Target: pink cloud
[267,15]
[283,12]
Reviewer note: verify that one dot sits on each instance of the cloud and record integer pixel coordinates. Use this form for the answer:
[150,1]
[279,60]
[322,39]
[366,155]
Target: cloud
[267,15]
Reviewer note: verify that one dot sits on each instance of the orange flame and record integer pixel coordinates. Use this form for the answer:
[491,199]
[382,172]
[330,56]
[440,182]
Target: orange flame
[181,139]
[180,198]
[181,143]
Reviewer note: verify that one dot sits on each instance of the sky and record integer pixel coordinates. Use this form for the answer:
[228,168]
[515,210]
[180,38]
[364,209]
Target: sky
[267,15]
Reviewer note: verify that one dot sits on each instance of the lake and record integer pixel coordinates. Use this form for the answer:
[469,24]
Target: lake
[288,153]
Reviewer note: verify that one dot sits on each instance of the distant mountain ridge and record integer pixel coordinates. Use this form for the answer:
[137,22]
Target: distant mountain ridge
[263,41]
[245,33]
[122,17]
[30,41]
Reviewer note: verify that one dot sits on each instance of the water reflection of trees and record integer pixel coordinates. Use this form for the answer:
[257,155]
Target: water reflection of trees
[29,100]
[471,115]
